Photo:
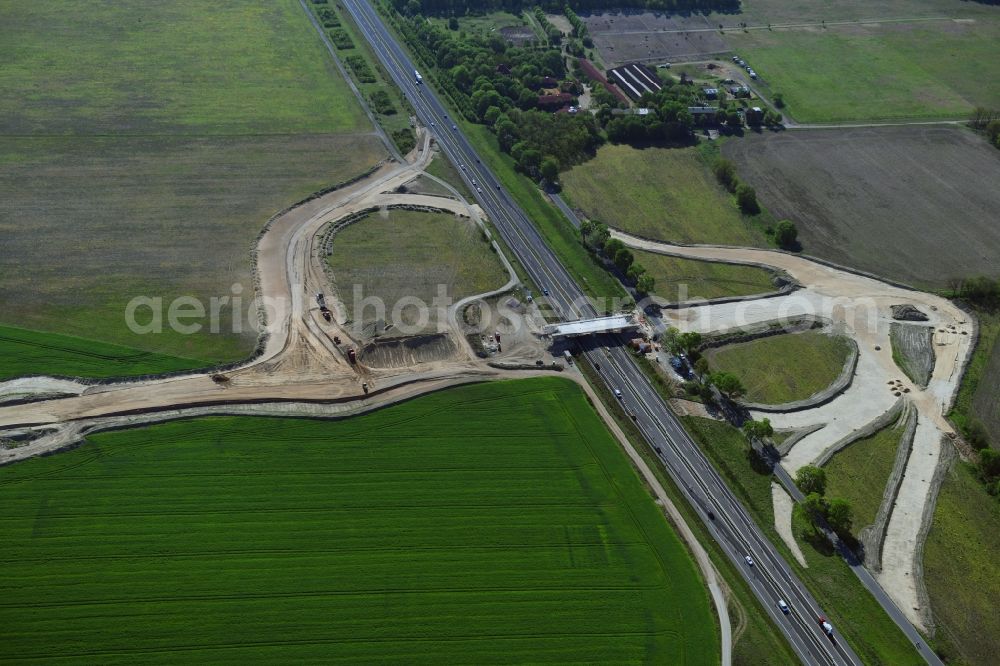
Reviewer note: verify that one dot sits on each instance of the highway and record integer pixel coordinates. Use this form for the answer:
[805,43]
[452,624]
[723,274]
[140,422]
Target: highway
[770,576]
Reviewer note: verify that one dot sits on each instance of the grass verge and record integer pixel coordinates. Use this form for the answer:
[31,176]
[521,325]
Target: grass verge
[783,368]
[979,395]
[442,167]
[420,538]
[679,279]
[960,568]
[859,473]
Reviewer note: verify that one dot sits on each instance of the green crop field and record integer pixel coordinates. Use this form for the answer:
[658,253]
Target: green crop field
[859,473]
[783,368]
[679,279]
[143,146]
[850,607]
[496,522]
[960,568]
[24,352]
[403,254]
[664,193]
[928,69]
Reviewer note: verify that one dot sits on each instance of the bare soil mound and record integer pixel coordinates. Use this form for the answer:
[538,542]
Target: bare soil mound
[913,350]
[907,312]
[407,351]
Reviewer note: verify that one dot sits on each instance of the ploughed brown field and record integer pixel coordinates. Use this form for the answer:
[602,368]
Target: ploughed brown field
[915,204]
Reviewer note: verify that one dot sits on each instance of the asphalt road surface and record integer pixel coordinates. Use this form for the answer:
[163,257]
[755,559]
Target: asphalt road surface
[769,576]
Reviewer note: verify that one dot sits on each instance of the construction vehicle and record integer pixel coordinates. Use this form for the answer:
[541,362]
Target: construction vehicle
[336,339]
[568,357]
[327,315]
[364,387]
[352,355]
[320,299]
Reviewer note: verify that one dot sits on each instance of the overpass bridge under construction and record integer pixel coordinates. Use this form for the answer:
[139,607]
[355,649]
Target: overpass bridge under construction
[572,329]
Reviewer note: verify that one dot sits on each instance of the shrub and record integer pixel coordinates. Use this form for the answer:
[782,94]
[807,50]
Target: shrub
[404,140]
[360,68]
[341,39]
[746,197]
[725,172]
[786,235]
[328,18]
[382,103]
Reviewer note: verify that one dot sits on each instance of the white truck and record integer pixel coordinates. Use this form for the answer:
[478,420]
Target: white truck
[417,77]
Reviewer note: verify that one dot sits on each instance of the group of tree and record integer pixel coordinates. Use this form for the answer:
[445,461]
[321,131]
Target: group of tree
[785,233]
[988,464]
[757,431]
[987,121]
[497,84]
[597,239]
[835,512]
[981,292]
[579,27]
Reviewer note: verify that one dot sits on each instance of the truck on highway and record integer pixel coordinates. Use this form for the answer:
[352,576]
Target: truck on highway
[417,77]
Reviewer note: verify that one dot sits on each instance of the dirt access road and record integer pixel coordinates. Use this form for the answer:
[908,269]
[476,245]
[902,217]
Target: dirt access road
[858,306]
[299,362]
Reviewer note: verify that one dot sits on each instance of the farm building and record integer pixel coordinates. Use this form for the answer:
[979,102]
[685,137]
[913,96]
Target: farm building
[635,79]
[553,102]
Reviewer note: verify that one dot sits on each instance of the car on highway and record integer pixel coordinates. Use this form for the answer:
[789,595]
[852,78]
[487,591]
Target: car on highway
[432,123]
[783,606]
[545,290]
[748,560]
[479,189]
[455,127]
[618,394]
[462,166]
